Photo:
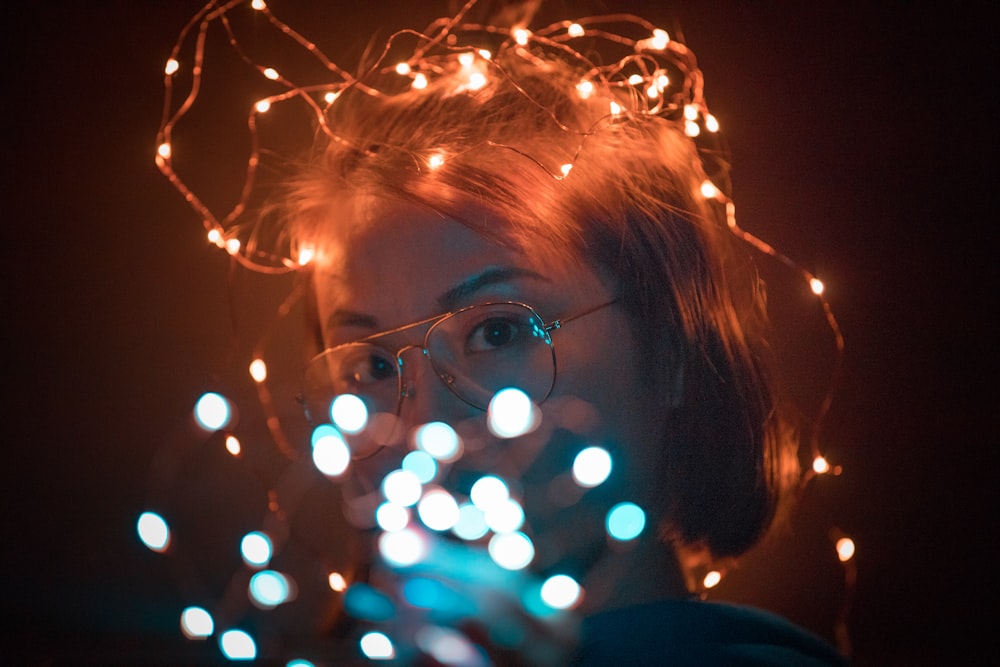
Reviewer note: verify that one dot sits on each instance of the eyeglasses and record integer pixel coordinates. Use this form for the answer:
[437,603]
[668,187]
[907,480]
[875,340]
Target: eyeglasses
[475,351]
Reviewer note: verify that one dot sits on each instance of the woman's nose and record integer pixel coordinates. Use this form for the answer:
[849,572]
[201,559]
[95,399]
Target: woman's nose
[424,397]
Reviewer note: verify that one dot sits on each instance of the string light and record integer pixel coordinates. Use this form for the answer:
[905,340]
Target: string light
[491,507]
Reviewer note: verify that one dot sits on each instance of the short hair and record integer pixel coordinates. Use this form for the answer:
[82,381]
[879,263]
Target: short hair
[630,206]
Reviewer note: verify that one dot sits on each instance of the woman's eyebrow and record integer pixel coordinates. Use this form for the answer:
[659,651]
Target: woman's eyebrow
[491,276]
[350,318]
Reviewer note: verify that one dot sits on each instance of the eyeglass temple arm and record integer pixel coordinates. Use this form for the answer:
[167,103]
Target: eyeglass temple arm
[558,324]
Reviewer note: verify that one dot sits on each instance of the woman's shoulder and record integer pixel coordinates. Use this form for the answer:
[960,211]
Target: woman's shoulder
[693,632]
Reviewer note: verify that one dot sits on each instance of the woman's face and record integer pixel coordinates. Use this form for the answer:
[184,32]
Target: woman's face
[410,264]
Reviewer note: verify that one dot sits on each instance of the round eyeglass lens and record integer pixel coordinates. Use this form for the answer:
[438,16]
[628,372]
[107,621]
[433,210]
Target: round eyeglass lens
[478,351]
[362,369]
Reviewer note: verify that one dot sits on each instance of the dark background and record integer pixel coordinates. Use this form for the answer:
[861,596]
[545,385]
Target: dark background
[863,145]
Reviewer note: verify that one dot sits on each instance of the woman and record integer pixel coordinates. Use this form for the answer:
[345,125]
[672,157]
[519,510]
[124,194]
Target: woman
[504,213]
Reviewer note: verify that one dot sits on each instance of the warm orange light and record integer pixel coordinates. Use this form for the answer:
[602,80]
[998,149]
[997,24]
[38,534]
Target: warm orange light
[816,285]
[566,168]
[635,79]
[476,81]
[708,190]
[215,236]
[690,111]
[711,123]
[337,582]
[521,36]
[163,150]
[403,68]
[232,246]
[331,97]
[258,4]
[435,161]
[420,81]
[820,465]
[712,579]
[466,59]
[485,54]
[585,89]
[652,92]
[258,370]
[691,128]
[271,73]
[662,81]
[306,255]
[171,67]
[575,30]
[615,108]
[233,445]
[845,549]
[262,106]
[660,39]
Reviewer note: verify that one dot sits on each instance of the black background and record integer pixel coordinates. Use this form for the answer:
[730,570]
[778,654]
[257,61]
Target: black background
[863,145]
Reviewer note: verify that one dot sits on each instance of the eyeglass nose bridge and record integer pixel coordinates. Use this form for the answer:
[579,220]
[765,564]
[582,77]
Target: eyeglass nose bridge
[406,388]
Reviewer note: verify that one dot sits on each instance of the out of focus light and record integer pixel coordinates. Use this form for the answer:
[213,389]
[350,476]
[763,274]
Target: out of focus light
[511,414]
[845,549]
[403,548]
[377,646]
[258,370]
[212,412]
[585,89]
[625,521]
[816,285]
[330,453]
[171,67]
[337,582]
[263,106]
[403,68]
[402,487]
[449,647]
[575,30]
[268,589]
[511,551]
[505,517]
[237,645]
[435,161]
[349,414]
[566,168]
[233,445]
[708,190]
[591,467]
[163,150]
[711,123]
[488,492]
[258,4]
[635,79]
[256,549]
[367,603]
[561,591]
[391,517]
[420,81]
[299,663]
[331,97]
[820,465]
[691,128]
[660,39]
[271,73]
[521,36]
[439,440]
[438,510]
[196,623]
[471,524]
[420,464]
[153,531]
[712,579]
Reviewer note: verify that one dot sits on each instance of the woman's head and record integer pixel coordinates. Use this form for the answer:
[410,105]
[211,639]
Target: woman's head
[573,182]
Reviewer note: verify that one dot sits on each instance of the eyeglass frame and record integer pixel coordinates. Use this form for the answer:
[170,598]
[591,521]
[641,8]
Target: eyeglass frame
[434,321]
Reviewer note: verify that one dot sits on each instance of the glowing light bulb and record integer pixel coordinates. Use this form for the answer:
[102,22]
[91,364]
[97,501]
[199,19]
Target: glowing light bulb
[306,255]
[391,517]
[377,646]
[233,445]
[521,36]
[349,413]
[420,81]
[439,440]
[565,169]
[591,467]
[486,55]
[511,414]
[215,236]
[477,80]
[435,161]
[258,370]
[711,123]
[403,69]
[258,4]
[625,521]
[585,89]
[171,67]
[237,645]
[561,592]
[652,92]
[575,30]
[820,465]
[269,588]
[330,453]
[691,128]
[845,549]
[438,510]
[233,246]
[271,74]
[262,106]
[196,623]
[421,464]
[511,551]
[660,39]
[337,582]
[163,150]
[212,412]
[615,108]
[712,579]
[816,285]
[691,111]
[153,531]
[708,190]
[488,492]
[330,97]
[256,549]
[466,59]
[662,82]
[402,487]
[635,79]
[403,548]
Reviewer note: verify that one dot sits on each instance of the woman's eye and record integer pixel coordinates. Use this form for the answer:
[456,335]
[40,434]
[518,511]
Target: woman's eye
[369,368]
[493,333]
